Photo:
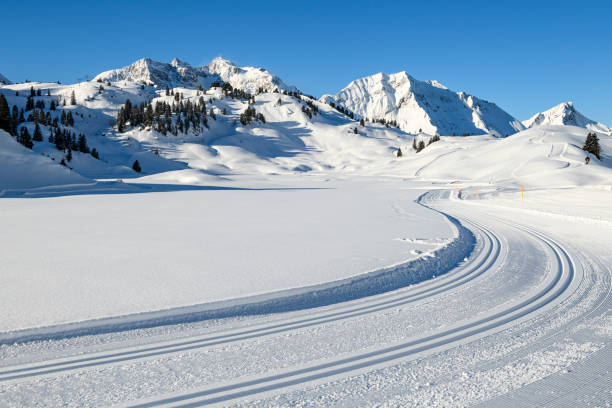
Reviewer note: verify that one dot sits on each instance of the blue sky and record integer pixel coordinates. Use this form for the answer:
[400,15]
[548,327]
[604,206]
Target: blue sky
[525,56]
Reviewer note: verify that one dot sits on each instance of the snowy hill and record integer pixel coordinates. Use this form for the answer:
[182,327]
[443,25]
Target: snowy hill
[425,105]
[21,168]
[180,74]
[4,80]
[565,114]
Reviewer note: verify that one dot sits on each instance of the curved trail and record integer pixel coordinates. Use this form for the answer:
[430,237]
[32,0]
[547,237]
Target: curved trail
[518,281]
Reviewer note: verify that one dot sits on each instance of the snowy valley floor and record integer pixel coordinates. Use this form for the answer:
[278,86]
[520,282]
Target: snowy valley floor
[512,308]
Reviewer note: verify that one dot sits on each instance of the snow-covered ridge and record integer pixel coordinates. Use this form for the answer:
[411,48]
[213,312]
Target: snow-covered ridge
[425,105]
[250,79]
[565,114]
[4,80]
[178,73]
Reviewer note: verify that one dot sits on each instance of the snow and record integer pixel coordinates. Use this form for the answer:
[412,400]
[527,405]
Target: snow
[428,105]
[159,250]
[178,73]
[22,169]
[478,267]
[565,114]
[250,79]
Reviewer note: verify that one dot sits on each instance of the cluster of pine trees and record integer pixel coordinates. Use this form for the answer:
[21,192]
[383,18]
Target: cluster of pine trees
[250,115]
[166,118]
[62,138]
[342,110]
[421,144]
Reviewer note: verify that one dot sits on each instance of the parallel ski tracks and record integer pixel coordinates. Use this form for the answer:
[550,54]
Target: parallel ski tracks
[488,255]
[562,268]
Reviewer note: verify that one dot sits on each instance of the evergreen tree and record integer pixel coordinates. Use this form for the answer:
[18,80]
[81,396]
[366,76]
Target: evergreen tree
[6,122]
[24,138]
[29,104]
[592,146]
[95,153]
[69,119]
[414,143]
[37,133]
[32,91]
[399,152]
[136,167]
[83,144]
[38,92]
[73,99]
[420,146]
[69,155]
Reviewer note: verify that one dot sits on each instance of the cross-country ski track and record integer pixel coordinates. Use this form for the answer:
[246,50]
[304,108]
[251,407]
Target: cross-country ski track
[518,283]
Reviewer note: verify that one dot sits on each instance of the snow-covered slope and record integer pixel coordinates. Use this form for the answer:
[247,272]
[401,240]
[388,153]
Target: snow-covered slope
[180,74]
[4,80]
[425,105]
[565,114]
[21,168]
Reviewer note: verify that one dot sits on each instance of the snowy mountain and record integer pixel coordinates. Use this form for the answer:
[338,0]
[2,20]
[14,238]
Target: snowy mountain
[180,74]
[174,74]
[565,114]
[425,105]
[4,80]
[250,79]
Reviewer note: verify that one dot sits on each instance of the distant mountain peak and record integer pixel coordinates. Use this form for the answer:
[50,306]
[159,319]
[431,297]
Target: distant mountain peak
[423,105]
[565,113]
[179,73]
[4,80]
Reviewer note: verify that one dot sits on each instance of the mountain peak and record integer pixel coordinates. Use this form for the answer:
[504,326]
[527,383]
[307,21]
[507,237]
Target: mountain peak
[179,73]
[4,80]
[423,106]
[565,113]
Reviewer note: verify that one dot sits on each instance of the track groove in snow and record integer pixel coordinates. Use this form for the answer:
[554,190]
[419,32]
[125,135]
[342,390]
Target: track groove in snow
[562,269]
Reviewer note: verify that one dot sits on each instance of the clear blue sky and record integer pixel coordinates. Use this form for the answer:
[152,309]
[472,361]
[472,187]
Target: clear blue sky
[525,56]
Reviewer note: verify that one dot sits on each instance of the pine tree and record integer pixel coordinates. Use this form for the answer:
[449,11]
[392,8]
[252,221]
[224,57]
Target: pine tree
[69,155]
[399,152]
[6,122]
[414,143]
[95,153]
[69,119]
[73,99]
[420,146]
[25,139]
[83,144]
[592,146]
[37,133]
[136,167]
